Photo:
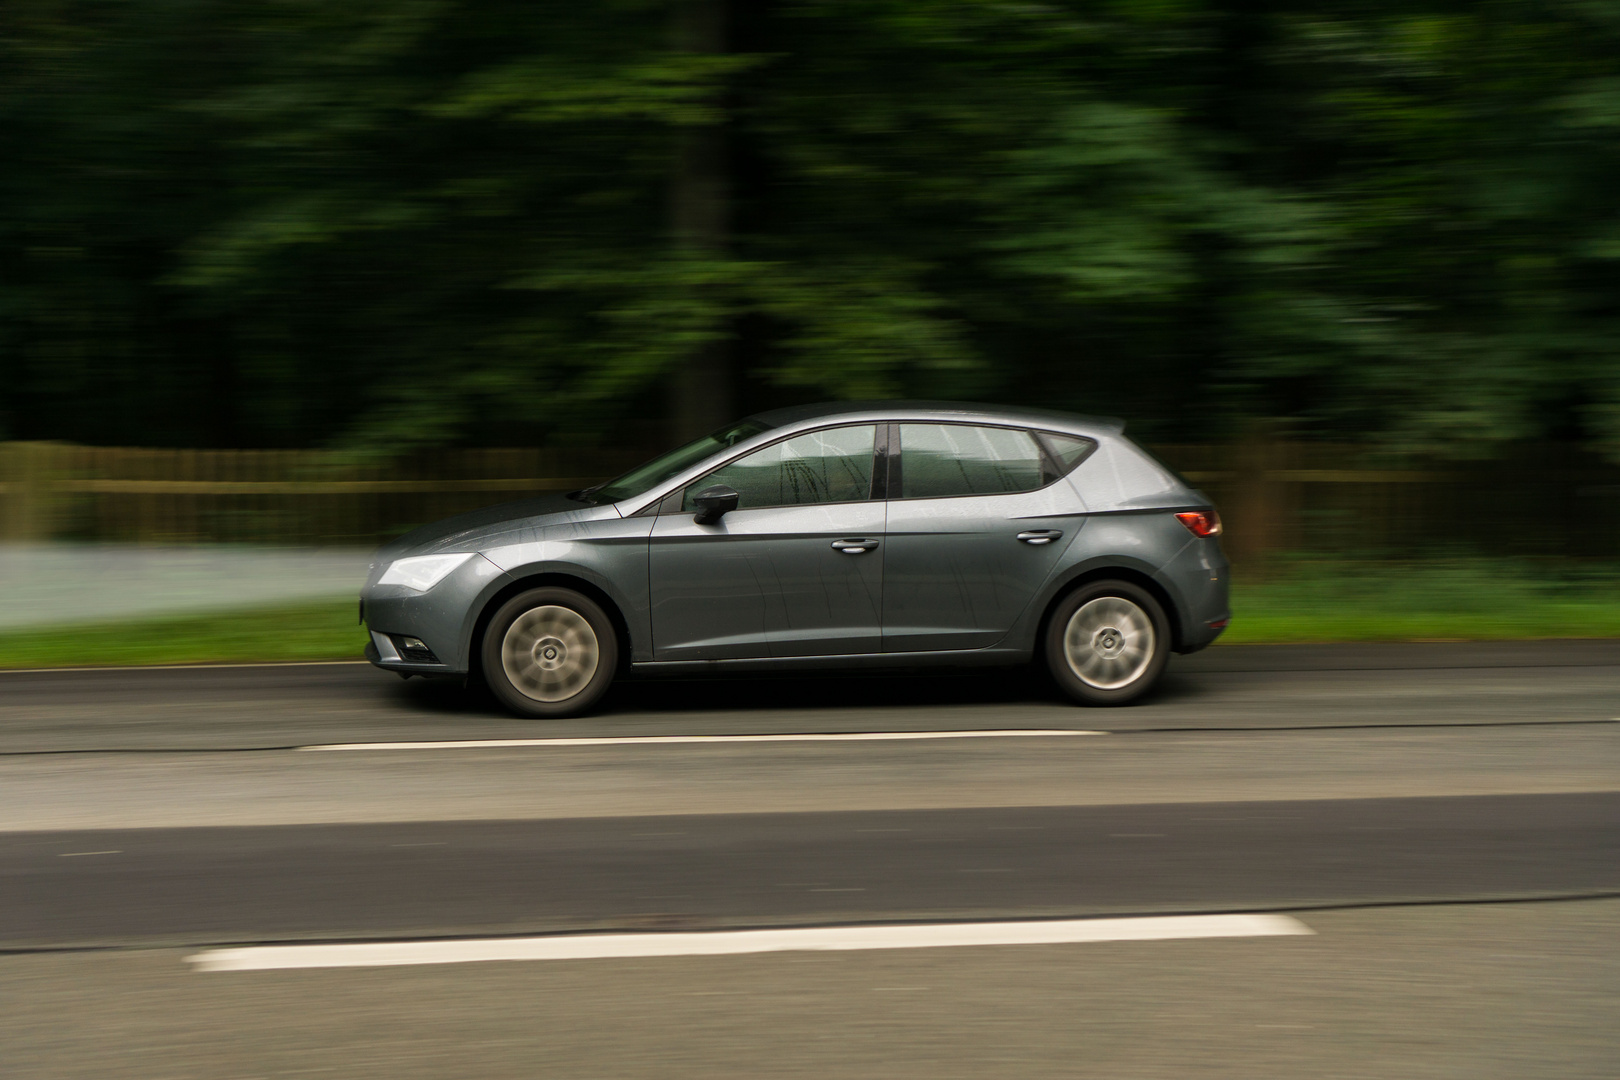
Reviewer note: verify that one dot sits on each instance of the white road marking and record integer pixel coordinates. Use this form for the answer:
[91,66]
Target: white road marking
[733,942]
[644,740]
[76,854]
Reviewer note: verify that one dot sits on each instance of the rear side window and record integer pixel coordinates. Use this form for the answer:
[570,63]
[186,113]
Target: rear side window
[821,467]
[938,460]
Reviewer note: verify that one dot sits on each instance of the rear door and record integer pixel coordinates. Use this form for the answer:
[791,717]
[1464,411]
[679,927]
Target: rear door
[795,570]
[975,527]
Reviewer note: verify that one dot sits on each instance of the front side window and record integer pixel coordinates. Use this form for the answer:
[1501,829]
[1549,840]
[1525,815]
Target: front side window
[828,466]
[938,460]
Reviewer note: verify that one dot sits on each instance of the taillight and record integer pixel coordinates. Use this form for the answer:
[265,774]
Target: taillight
[1201,522]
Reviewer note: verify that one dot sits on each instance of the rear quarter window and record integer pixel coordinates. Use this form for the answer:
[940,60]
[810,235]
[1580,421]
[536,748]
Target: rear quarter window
[1065,452]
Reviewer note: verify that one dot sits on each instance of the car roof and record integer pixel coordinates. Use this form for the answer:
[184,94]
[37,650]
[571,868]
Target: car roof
[955,411]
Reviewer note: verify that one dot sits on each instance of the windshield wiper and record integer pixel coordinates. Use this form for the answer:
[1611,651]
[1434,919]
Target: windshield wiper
[584,494]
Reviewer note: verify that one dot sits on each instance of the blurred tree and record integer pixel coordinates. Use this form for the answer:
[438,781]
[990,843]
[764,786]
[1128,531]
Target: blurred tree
[700,194]
[1463,156]
[102,178]
[236,222]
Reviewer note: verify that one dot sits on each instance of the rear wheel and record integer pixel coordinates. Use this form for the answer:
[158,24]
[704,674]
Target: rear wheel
[1107,643]
[549,652]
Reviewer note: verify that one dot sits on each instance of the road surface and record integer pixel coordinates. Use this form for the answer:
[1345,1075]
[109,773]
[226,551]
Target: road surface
[1442,823]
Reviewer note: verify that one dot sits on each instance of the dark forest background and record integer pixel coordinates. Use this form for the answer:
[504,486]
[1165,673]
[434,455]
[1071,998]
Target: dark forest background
[401,224]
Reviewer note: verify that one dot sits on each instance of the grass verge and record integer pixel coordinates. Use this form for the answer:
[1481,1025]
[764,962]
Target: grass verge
[1465,599]
[1302,601]
[314,630]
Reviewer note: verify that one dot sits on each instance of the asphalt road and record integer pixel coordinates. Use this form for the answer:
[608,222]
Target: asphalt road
[1433,813]
[1476,992]
[1277,687]
[702,872]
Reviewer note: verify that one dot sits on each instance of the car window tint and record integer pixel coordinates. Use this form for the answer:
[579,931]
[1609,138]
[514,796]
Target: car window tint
[955,459]
[822,467]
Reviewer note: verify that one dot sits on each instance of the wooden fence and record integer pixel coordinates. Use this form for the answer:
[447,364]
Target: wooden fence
[56,490]
[1544,500]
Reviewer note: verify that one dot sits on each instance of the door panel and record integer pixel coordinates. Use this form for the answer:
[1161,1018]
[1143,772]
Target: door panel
[768,582]
[956,576]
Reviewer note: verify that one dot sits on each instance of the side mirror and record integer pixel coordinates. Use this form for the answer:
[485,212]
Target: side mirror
[713,503]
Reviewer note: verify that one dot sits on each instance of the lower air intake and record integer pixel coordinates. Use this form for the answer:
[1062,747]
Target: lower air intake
[413,649]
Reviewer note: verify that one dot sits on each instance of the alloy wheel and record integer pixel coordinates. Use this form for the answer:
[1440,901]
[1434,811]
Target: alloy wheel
[550,653]
[1109,642]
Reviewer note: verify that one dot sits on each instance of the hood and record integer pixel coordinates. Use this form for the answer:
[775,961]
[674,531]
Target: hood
[465,531]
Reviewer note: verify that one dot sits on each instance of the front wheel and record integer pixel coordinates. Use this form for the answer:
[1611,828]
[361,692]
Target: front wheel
[549,653]
[1107,643]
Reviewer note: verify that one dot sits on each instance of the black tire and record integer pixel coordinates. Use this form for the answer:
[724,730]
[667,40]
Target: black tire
[568,679]
[1125,618]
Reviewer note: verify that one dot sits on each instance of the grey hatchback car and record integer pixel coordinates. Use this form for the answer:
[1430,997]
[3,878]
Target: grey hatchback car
[837,536]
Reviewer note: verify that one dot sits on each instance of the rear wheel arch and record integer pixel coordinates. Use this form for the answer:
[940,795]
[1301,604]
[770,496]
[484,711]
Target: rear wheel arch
[1130,575]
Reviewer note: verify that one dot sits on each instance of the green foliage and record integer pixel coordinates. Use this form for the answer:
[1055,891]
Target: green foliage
[245,222]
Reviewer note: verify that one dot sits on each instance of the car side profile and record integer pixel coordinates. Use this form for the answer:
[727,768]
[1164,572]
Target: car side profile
[849,535]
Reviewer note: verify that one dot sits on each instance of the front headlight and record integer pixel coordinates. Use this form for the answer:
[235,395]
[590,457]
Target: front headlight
[422,572]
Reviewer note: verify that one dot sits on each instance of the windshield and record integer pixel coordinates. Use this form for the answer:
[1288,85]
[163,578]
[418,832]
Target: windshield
[644,477]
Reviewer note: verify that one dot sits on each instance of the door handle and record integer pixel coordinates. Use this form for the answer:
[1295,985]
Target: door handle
[854,547]
[1037,537]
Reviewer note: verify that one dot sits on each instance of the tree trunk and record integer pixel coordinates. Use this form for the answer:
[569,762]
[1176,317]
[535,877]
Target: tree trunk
[702,399]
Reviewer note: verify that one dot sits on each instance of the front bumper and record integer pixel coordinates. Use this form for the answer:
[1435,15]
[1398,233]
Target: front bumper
[442,618]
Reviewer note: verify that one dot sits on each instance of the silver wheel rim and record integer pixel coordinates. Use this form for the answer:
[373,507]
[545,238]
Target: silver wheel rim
[1109,642]
[550,653]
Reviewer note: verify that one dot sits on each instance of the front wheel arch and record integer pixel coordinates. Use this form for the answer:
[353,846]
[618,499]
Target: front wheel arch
[553,579]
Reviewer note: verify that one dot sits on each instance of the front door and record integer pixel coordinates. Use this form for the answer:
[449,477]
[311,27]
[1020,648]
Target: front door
[795,570]
[974,530]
